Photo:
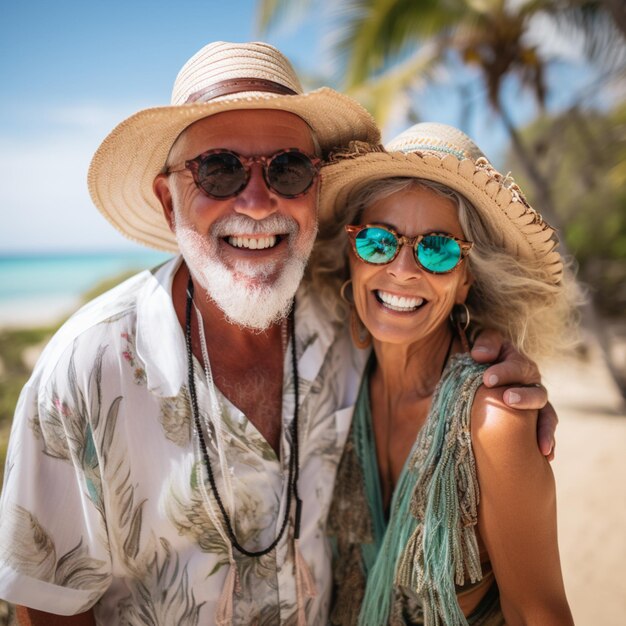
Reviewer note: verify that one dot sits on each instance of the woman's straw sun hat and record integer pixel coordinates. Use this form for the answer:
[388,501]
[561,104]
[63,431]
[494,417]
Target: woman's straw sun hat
[444,154]
[220,77]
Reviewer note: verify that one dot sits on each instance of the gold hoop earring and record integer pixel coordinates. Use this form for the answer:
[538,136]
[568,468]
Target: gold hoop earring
[360,335]
[345,293]
[460,318]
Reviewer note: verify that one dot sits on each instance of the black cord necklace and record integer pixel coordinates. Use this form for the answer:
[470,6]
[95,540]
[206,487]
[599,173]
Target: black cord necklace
[294,461]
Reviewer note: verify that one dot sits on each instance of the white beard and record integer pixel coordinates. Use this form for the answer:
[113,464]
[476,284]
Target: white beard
[251,294]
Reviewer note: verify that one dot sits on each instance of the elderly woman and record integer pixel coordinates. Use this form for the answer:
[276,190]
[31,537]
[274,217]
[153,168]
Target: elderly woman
[444,508]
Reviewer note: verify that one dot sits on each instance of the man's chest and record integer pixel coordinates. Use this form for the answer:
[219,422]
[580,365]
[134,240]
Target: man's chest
[256,390]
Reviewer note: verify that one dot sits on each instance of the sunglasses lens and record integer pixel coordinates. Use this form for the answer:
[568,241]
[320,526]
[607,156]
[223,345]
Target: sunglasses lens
[376,245]
[291,173]
[438,253]
[221,175]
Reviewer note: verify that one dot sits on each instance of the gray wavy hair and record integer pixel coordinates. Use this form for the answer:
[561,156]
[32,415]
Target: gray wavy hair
[516,297]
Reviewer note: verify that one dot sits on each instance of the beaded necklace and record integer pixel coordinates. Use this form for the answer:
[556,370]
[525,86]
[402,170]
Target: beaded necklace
[292,480]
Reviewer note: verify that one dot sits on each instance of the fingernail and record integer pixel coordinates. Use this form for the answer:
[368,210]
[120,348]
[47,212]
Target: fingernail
[481,349]
[493,380]
[513,398]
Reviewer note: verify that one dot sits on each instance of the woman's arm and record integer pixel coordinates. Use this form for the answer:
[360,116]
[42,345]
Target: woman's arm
[517,512]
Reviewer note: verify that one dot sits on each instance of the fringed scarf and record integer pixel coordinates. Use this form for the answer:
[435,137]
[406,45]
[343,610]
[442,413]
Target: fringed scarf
[429,544]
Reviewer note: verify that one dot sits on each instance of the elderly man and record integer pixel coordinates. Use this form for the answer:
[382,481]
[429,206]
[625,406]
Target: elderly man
[173,455]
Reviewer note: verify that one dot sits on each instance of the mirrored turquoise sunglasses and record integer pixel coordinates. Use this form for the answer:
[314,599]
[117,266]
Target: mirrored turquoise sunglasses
[436,253]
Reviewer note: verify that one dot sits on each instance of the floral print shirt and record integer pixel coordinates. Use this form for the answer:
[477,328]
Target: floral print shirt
[105,503]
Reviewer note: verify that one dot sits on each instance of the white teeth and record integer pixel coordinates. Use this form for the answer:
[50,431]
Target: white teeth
[252,243]
[399,303]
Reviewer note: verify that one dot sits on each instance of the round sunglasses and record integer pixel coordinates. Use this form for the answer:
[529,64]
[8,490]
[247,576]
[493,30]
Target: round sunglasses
[436,253]
[222,174]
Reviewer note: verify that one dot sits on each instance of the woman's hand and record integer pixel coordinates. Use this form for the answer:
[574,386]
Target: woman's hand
[523,381]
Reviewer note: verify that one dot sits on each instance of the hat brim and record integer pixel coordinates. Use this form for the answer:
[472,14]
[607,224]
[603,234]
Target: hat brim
[125,165]
[522,230]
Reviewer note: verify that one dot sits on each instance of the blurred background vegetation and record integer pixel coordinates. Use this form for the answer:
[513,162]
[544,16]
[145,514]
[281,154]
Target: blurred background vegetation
[496,57]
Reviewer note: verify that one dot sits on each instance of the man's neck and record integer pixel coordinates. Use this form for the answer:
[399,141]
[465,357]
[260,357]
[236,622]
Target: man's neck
[247,365]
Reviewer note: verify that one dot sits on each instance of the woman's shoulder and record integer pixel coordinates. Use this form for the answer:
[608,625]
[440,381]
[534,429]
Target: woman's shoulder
[500,430]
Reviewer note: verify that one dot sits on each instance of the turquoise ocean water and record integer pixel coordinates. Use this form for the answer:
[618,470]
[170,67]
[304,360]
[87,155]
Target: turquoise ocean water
[42,287]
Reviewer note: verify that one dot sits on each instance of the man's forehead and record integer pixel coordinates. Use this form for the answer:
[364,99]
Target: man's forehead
[247,132]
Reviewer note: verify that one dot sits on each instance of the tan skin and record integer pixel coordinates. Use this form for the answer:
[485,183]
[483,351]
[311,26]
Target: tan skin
[233,349]
[517,512]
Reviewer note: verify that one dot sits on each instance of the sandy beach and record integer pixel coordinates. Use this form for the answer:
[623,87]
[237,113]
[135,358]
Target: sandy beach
[590,467]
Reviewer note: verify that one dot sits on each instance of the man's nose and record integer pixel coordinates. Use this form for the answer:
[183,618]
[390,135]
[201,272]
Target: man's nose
[256,200]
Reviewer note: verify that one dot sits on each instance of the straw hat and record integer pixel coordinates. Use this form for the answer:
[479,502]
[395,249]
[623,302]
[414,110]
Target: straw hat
[445,155]
[220,77]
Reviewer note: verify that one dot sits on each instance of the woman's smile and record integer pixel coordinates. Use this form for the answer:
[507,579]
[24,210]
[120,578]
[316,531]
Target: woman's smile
[398,303]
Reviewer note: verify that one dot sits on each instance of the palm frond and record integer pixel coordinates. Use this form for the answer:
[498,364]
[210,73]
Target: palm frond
[602,30]
[372,32]
[388,93]
[271,12]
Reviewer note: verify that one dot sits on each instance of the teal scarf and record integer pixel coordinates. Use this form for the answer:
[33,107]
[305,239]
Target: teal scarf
[429,543]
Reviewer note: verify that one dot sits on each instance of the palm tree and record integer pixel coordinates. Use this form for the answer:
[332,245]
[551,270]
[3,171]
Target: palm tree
[389,47]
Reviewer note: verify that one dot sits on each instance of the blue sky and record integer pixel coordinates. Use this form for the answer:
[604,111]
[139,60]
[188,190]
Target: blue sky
[72,70]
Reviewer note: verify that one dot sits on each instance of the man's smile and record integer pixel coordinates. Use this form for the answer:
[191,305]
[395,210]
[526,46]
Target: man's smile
[254,242]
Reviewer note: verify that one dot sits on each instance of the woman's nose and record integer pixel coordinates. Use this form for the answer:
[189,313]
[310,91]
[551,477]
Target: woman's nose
[404,267]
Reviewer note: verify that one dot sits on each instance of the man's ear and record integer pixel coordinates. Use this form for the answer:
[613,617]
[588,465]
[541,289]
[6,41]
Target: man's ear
[161,188]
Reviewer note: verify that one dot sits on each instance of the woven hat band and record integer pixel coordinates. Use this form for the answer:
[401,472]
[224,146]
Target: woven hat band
[238,85]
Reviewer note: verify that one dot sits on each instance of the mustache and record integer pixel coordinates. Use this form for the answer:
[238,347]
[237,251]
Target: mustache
[234,224]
